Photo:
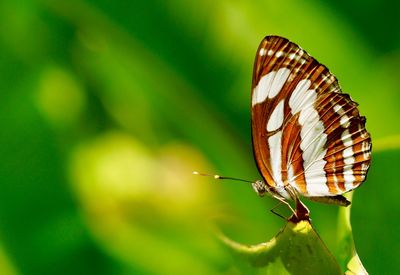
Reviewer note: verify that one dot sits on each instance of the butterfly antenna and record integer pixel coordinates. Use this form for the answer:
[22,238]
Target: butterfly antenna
[218,177]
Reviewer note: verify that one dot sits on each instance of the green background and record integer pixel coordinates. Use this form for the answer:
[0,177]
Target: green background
[106,107]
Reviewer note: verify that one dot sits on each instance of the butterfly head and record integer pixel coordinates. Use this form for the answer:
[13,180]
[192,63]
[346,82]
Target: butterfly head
[260,187]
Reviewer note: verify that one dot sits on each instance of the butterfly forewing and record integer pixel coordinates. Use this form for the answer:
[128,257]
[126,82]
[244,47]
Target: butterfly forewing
[306,132]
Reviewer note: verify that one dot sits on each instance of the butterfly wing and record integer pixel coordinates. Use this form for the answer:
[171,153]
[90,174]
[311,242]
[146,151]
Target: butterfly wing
[306,133]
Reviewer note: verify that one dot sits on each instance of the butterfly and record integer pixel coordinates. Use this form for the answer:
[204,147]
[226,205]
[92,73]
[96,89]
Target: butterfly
[308,137]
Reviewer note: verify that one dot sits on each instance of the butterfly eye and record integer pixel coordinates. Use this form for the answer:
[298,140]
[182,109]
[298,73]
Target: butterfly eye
[260,187]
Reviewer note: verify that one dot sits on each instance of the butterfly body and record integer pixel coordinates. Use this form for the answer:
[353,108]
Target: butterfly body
[308,137]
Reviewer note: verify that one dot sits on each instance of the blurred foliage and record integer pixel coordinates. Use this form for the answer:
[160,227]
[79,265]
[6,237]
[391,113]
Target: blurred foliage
[107,106]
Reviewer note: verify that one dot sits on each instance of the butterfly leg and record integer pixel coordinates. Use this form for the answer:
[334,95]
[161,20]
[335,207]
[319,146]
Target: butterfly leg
[282,200]
[302,212]
[276,213]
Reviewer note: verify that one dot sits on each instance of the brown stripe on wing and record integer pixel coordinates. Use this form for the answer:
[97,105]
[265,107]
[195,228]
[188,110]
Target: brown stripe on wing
[290,131]
[362,154]
[342,135]
[261,149]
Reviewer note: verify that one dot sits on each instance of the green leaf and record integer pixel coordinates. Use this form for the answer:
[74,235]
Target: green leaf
[375,210]
[296,249]
[347,254]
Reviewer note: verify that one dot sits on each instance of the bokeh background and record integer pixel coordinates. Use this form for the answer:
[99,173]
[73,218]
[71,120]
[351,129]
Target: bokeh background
[106,107]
